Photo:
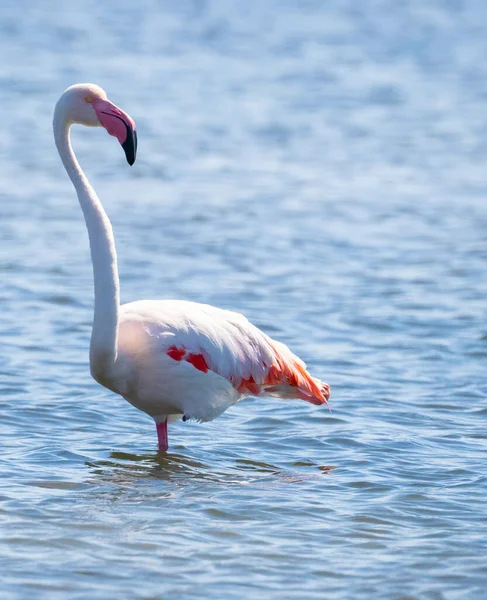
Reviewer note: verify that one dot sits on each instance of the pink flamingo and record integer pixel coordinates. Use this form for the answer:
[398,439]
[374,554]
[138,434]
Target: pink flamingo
[168,358]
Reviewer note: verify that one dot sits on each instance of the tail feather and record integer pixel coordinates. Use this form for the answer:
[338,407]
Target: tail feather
[290,392]
[288,378]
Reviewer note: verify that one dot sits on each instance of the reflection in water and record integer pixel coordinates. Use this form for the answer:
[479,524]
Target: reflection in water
[124,469]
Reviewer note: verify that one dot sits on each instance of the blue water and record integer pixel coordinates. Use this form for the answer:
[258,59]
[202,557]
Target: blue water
[318,166]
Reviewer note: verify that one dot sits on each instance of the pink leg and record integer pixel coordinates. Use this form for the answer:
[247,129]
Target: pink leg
[162,436]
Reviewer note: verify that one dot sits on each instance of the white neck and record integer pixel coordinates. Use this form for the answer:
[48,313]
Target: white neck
[103,348]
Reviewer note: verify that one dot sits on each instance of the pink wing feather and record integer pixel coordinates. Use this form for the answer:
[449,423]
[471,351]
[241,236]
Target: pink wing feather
[228,344]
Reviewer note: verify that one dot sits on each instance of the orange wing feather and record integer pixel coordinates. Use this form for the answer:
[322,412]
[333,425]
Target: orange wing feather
[284,374]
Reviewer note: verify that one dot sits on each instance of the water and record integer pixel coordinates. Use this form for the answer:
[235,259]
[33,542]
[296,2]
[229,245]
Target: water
[319,167]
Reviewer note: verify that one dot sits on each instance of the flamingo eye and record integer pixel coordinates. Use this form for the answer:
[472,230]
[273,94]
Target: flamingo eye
[89,99]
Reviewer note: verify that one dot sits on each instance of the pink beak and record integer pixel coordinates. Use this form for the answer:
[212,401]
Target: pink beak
[120,125]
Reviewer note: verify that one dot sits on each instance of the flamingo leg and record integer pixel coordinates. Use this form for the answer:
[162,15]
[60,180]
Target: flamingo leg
[162,436]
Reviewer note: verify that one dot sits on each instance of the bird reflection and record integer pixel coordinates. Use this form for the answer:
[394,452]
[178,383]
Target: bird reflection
[127,469]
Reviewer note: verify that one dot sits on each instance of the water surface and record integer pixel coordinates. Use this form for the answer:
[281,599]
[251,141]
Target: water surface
[319,167]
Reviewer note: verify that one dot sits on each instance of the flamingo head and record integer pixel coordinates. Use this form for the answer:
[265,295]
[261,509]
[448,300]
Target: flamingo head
[87,104]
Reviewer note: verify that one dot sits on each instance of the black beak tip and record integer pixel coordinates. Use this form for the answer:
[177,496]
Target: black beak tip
[130,146]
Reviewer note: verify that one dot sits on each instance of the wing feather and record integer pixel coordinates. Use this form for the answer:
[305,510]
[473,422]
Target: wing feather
[226,343]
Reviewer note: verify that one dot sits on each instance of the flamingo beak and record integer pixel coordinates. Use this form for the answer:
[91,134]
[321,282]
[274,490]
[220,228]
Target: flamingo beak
[130,146]
[119,124]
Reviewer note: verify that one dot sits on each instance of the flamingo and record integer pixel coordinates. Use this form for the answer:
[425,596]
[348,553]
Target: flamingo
[169,358]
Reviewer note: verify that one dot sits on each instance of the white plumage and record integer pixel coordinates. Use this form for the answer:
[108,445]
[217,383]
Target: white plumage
[168,358]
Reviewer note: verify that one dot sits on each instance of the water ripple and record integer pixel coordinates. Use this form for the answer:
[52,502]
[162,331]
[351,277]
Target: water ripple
[319,167]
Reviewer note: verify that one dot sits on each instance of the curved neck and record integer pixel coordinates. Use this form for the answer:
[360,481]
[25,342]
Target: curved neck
[103,348]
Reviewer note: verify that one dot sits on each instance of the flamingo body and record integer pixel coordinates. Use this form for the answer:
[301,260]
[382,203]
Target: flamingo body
[178,358]
[168,358]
